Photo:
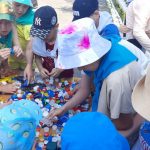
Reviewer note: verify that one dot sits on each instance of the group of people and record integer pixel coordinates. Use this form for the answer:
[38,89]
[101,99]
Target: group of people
[91,43]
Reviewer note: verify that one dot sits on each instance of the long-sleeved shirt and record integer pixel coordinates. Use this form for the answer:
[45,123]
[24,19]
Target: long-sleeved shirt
[138,20]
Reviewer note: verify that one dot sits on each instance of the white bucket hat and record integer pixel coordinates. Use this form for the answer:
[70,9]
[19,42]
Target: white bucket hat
[141,97]
[79,44]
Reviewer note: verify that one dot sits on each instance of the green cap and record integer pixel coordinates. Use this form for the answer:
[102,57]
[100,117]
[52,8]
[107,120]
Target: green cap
[25,2]
[6,11]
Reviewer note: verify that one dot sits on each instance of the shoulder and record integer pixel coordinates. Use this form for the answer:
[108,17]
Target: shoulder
[116,78]
[24,27]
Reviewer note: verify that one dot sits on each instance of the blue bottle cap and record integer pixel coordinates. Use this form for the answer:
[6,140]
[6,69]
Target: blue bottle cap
[50,139]
[12,52]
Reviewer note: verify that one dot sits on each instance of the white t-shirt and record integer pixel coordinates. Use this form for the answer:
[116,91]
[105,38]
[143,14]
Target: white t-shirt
[143,60]
[105,19]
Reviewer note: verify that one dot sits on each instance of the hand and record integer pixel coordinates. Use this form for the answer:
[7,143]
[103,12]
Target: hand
[44,73]
[4,53]
[56,112]
[28,73]
[34,145]
[56,72]
[124,29]
[17,50]
[77,87]
[8,88]
[5,104]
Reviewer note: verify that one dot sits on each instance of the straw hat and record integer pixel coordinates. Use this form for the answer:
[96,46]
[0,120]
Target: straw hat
[141,97]
[79,44]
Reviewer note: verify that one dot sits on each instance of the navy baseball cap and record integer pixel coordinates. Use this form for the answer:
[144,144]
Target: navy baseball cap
[84,8]
[45,19]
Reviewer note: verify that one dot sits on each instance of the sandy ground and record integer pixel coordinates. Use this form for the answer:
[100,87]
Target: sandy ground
[63,8]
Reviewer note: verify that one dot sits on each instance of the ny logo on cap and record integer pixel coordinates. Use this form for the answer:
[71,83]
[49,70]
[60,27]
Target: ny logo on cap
[53,21]
[38,21]
[76,13]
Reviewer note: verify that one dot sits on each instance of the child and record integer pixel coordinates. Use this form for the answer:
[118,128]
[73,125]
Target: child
[44,33]
[7,42]
[112,67]
[18,124]
[141,104]
[92,131]
[105,26]
[24,18]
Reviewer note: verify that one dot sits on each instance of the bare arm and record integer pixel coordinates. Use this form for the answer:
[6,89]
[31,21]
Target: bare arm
[81,95]
[28,72]
[5,104]
[16,45]
[15,36]
[8,88]
[136,124]
[43,71]
[29,54]
[124,122]
[38,61]
[78,98]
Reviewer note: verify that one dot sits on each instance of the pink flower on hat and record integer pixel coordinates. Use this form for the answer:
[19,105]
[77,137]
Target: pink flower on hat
[69,30]
[84,43]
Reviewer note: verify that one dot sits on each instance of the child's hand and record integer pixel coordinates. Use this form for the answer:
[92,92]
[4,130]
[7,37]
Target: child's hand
[5,104]
[4,53]
[28,73]
[17,50]
[124,29]
[44,73]
[8,88]
[56,72]
[56,113]
[34,145]
[77,87]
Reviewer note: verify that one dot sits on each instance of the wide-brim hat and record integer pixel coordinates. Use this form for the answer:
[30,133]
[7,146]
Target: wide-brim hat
[141,97]
[79,44]
[25,2]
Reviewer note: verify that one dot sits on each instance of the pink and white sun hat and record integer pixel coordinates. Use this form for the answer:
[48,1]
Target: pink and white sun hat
[79,44]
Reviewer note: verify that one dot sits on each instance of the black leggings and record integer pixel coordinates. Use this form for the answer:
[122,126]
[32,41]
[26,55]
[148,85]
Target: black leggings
[135,42]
